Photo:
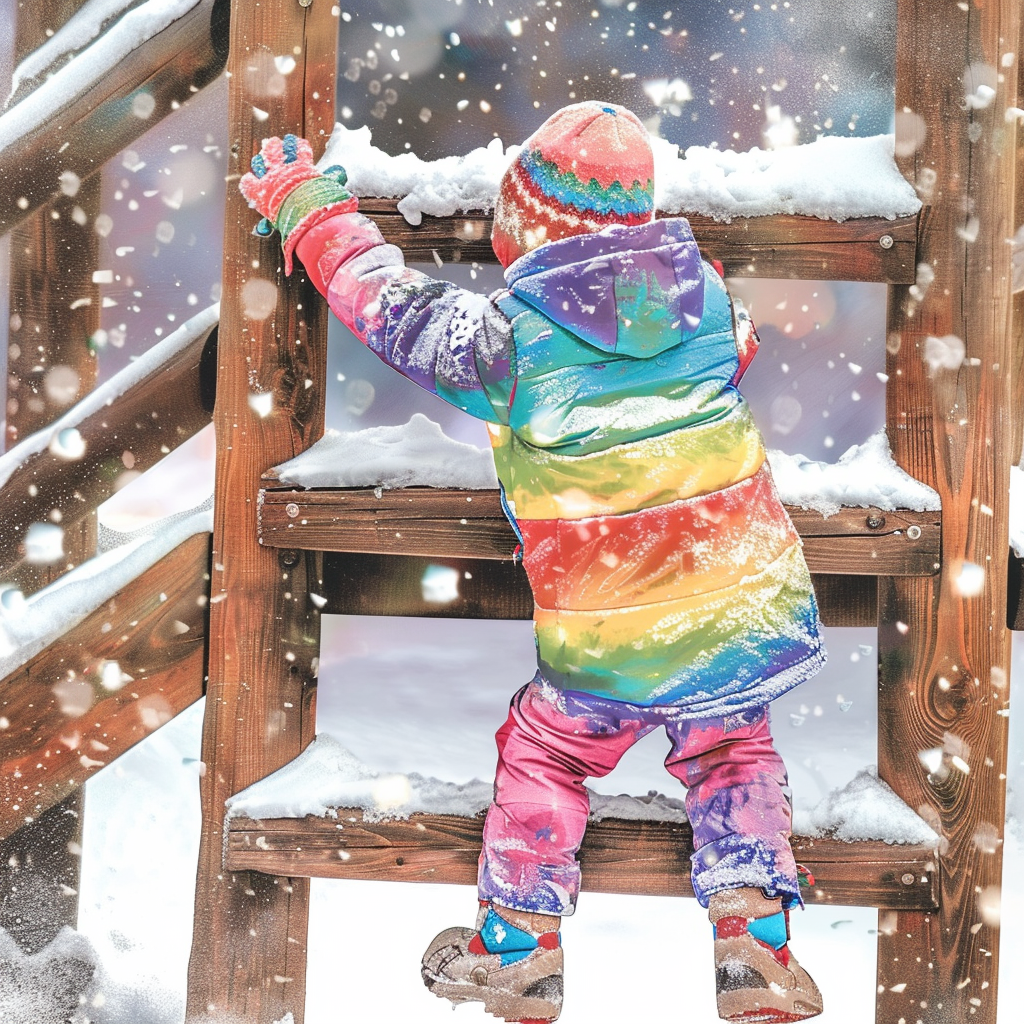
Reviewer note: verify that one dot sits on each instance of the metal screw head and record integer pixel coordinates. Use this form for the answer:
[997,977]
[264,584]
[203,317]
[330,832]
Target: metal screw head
[913,532]
[305,3]
[885,241]
[291,510]
[875,522]
[288,558]
[478,975]
[907,878]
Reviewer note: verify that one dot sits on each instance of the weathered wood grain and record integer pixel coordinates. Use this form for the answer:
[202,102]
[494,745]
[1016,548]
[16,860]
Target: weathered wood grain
[62,721]
[137,429]
[249,942]
[846,600]
[97,124]
[781,245]
[470,524]
[52,257]
[633,857]
[943,646]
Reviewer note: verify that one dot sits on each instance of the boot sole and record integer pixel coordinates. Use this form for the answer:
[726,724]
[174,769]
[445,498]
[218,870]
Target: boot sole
[510,1008]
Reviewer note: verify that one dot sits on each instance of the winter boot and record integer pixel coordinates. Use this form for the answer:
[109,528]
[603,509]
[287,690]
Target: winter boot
[512,963]
[756,976]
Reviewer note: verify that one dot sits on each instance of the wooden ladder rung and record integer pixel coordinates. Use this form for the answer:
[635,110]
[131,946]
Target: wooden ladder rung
[444,523]
[633,857]
[779,245]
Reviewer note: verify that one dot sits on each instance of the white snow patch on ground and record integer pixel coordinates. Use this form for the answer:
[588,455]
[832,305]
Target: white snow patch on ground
[417,453]
[865,475]
[865,808]
[86,69]
[1017,510]
[27,625]
[833,178]
[102,396]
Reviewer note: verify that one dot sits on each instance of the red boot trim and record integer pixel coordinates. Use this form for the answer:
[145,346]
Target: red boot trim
[730,927]
[549,940]
[476,945]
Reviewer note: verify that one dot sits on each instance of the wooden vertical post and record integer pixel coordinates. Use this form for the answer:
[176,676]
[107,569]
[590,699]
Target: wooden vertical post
[249,945]
[944,654]
[53,256]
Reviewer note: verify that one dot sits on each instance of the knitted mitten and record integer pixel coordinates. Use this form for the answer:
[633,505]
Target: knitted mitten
[756,976]
[291,194]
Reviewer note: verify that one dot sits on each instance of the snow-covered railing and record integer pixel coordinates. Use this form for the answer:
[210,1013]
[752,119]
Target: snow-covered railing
[836,209]
[65,471]
[116,88]
[327,815]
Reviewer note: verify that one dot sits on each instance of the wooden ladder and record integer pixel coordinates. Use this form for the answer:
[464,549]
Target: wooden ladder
[943,651]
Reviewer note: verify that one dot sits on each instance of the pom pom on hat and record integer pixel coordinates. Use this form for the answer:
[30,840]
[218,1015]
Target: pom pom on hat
[589,165]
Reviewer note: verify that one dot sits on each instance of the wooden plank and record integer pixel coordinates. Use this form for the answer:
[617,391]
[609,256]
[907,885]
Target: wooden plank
[470,524]
[138,428]
[249,941]
[782,245]
[61,720]
[52,258]
[355,584]
[96,124]
[634,857]
[944,653]
[847,600]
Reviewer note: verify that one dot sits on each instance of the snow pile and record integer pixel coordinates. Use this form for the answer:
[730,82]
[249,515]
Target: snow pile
[27,625]
[865,475]
[49,985]
[833,178]
[79,30]
[84,71]
[1017,510]
[63,433]
[865,808]
[326,776]
[418,454]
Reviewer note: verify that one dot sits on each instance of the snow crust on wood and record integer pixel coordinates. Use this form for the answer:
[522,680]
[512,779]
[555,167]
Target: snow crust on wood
[88,67]
[833,178]
[1017,510]
[80,29]
[866,475]
[865,808]
[420,454]
[104,395]
[326,776]
[415,454]
[28,625]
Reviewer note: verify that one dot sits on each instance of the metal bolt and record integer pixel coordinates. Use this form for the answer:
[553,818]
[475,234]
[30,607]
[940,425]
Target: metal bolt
[305,3]
[291,510]
[885,241]
[907,878]
[288,558]
[478,975]
[913,532]
[875,522]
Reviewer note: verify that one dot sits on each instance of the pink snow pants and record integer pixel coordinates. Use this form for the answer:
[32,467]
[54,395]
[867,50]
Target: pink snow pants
[736,796]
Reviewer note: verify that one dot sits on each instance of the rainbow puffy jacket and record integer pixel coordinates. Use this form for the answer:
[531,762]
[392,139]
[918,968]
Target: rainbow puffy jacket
[665,570]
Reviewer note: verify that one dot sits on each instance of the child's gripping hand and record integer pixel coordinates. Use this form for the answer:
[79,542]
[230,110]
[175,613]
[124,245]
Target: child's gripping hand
[290,193]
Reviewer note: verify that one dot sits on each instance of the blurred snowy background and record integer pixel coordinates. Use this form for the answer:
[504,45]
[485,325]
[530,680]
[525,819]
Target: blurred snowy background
[439,77]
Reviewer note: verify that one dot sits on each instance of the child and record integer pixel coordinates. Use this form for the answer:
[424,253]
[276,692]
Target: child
[670,585]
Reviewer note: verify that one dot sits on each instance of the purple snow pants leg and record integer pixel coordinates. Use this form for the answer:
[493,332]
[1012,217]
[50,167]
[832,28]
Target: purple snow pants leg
[553,741]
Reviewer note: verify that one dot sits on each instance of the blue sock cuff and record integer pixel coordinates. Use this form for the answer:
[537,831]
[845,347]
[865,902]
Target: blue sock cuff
[769,930]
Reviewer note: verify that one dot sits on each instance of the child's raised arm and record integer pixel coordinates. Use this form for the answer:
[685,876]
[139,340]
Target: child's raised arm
[454,343]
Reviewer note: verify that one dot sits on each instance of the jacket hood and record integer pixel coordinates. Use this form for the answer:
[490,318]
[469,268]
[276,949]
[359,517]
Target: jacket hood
[633,291]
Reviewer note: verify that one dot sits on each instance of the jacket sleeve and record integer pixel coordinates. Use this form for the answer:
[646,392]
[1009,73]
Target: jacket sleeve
[454,343]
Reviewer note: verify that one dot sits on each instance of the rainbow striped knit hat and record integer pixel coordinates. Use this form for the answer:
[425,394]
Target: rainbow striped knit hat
[587,166]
